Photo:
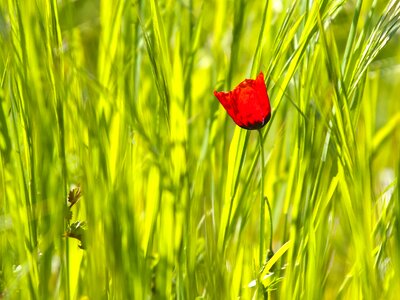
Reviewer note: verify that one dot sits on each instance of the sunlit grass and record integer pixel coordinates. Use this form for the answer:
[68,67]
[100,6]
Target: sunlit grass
[116,97]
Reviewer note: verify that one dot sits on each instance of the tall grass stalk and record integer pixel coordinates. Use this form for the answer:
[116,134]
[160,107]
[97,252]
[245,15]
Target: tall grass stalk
[116,98]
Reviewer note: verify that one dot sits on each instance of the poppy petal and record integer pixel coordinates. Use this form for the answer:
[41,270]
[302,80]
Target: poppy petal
[248,103]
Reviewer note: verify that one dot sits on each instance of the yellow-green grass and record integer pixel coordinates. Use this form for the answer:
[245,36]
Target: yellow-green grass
[116,97]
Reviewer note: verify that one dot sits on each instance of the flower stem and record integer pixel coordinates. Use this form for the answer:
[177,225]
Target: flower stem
[271,228]
[270,253]
[262,208]
[264,199]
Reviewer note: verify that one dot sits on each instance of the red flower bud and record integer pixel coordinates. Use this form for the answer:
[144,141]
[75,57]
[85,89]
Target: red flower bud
[248,103]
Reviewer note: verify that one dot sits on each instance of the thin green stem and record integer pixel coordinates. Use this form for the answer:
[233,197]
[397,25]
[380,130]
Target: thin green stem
[262,209]
[271,228]
[264,199]
[262,214]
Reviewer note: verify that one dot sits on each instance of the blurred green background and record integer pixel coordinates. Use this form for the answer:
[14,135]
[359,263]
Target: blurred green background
[110,103]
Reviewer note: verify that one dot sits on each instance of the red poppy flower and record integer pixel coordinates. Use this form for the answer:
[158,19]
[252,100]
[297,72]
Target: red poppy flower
[248,103]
